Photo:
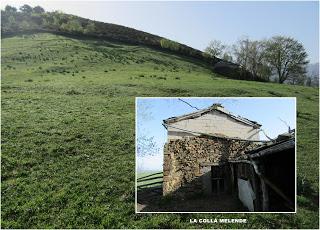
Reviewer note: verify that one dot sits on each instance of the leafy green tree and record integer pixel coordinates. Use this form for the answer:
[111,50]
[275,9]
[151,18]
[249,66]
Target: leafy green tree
[38,10]
[286,57]
[26,9]
[10,9]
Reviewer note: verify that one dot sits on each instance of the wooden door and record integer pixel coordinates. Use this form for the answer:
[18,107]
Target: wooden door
[218,180]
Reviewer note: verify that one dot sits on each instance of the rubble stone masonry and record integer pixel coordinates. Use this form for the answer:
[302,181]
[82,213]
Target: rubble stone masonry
[184,161]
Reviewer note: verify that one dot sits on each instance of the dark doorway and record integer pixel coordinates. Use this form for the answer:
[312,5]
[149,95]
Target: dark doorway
[218,180]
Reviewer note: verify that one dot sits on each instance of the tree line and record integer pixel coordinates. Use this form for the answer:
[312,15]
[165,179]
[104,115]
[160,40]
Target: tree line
[280,59]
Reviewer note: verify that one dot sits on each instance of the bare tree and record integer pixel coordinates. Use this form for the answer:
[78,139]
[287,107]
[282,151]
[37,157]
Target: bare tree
[215,49]
[241,52]
[146,144]
[227,54]
[313,75]
[257,64]
[286,57]
[250,56]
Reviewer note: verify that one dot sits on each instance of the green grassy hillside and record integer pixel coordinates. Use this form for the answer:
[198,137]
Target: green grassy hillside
[149,179]
[15,22]
[68,132]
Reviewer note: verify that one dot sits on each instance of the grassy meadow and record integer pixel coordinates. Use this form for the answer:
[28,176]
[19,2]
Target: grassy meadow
[149,179]
[68,151]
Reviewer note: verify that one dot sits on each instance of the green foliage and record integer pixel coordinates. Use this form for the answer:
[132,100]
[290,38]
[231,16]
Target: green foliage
[90,28]
[287,58]
[57,21]
[281,56]
[24,25]
[68,152]
[72,26]
[38,10]
[12,22]
[168,44]
[26,9]
[10,9]
[215,49]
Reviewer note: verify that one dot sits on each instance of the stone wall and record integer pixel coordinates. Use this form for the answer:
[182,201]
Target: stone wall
[186,161]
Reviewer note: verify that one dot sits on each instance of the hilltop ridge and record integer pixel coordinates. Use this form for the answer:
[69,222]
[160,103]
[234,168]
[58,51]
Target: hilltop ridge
[17,22]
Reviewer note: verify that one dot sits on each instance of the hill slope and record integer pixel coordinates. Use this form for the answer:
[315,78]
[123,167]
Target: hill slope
[18,22]
[68,132]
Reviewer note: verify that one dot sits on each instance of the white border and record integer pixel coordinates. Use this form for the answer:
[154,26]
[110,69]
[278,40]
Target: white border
[136,163]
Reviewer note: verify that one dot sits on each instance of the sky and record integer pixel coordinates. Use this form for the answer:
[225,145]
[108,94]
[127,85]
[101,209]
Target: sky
[152,111]
[197,23]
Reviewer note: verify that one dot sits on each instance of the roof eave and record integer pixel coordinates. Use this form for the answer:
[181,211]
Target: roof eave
[199,113]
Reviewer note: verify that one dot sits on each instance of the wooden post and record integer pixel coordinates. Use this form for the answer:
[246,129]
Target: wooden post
[255,184]
[232,178]
[265,195]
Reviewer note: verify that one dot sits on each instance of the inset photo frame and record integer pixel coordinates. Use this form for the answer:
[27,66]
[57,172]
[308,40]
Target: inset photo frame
[216,155]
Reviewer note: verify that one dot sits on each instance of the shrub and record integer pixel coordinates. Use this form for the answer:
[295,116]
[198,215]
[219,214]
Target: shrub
[168,44]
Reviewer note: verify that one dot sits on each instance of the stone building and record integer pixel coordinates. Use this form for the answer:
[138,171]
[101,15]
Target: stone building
[213,120]
[208,154]
[201,142]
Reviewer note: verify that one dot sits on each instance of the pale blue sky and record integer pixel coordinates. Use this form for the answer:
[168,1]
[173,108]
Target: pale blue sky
[196,23]
[152,111]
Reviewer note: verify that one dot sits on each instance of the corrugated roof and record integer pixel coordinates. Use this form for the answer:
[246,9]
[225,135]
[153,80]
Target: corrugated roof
[214,107]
